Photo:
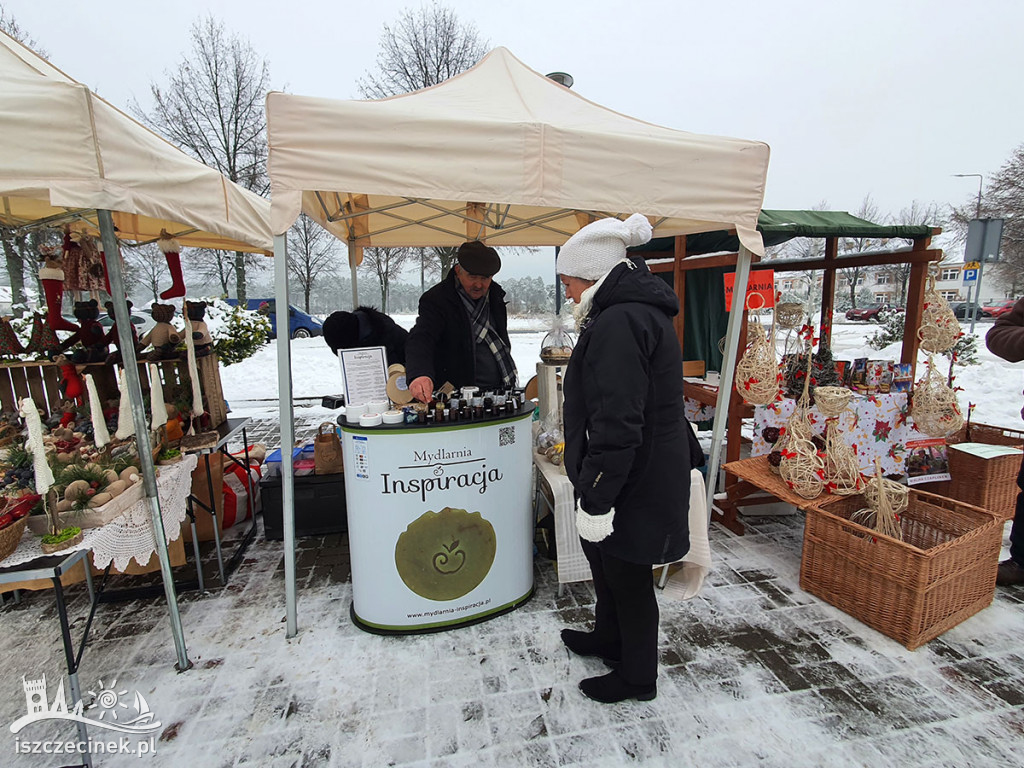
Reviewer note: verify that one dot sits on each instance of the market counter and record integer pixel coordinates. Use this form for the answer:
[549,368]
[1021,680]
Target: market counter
[440,524]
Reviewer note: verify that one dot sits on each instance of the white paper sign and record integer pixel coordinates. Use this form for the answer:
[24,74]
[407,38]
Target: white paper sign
[364,374]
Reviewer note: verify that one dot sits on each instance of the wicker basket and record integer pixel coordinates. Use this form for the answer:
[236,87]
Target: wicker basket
[912,590]
[987,483]
[10,537]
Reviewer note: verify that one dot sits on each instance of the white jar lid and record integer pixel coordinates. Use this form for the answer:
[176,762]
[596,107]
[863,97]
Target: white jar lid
[378,406]
[370,420]
[353,412]
[393,417]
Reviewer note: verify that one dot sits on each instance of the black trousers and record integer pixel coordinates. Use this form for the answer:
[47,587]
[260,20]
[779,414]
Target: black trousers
[626,614]
[1017,529]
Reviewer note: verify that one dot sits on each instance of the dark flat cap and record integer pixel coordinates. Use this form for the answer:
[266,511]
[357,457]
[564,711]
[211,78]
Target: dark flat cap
[478,259]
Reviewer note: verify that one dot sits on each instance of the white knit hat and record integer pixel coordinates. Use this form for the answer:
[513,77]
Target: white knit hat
[594,250]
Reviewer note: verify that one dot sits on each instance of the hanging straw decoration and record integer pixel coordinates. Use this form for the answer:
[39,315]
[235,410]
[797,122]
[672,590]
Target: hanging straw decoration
[158,411]
[757,372]
[935,409]
[789,315]
[801,466]
[193,374]
[842,472]
[886,501]
[939,327]
[100,435]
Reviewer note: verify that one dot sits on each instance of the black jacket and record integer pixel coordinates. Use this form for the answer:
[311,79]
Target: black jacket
[385,332]
[441,343]
[627,443]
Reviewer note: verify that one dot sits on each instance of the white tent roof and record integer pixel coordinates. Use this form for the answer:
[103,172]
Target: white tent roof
[503,154]
[65,152]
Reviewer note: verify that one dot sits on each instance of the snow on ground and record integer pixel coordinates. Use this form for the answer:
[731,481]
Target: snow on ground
[250,387]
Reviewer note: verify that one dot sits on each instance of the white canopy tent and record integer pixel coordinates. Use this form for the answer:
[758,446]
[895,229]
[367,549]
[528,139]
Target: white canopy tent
[502,154]
[69,157]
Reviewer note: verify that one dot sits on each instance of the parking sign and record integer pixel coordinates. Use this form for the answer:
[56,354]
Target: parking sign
[970,275]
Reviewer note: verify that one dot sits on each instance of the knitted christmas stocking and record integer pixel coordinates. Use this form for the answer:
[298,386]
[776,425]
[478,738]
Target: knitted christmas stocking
[54,291]
[172,251]
[9,344]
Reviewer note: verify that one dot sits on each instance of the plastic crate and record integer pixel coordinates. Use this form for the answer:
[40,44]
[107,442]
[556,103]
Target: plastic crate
[912,590]
[320,507]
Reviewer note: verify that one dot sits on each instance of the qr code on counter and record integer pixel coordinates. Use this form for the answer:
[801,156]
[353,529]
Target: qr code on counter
[506,436]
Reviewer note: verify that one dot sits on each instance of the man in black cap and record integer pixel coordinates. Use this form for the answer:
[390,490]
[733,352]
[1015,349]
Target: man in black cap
[461,334]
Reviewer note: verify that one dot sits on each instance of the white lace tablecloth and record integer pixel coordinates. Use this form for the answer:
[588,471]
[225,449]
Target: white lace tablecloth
[131,534]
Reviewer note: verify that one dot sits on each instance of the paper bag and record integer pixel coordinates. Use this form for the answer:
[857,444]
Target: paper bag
[327,451]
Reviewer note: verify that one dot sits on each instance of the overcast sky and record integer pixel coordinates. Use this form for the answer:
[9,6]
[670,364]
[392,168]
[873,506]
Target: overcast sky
[886,98]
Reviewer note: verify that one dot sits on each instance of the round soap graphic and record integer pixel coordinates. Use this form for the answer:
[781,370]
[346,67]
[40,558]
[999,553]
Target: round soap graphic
[445,555]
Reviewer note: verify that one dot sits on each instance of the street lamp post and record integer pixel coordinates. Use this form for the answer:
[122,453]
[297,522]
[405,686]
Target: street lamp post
[974,308]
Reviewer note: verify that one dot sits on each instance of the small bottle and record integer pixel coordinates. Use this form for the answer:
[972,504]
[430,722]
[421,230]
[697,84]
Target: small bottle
[439,412]
[421,416]
[453,414]
[488,407]
[467,412]
[478,407]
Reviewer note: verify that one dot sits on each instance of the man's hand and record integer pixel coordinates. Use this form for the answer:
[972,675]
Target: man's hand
[422,389]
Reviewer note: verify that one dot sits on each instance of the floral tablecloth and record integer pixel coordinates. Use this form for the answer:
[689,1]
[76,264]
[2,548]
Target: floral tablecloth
[875,425]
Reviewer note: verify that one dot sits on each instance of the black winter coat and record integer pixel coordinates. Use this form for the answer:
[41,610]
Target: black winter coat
[385,332]
[627,443]
[440,345]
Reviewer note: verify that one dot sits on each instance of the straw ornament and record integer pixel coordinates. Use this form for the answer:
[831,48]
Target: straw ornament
[789,315]
[801,466]
[842,472]
[886,501]
[757,372]
[939,327]
[935,409]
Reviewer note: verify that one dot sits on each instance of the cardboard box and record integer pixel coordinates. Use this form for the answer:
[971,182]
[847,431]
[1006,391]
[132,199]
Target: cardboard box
[201,490]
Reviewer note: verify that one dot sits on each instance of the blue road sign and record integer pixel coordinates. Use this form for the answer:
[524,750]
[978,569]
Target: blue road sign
[970,275]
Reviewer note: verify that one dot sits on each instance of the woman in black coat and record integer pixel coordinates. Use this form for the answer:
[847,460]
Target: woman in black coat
[628,448]
[366,327]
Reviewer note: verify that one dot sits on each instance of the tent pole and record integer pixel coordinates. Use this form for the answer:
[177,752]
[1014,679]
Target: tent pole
[736,316]
[284,383]
[145,449]
[352,270]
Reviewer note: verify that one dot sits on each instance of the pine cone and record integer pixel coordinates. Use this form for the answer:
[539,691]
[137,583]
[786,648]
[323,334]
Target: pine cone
[771,434]
[775,458]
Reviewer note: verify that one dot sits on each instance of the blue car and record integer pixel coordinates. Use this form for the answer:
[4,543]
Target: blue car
[300,325]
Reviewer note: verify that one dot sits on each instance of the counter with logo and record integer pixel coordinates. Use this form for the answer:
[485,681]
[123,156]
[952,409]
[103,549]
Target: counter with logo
[440,525]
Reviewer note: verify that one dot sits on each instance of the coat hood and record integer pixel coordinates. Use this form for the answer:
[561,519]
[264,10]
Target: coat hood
[628,281]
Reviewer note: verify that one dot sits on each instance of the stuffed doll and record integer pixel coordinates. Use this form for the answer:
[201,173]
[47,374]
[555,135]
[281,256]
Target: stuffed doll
[84,268]
[90,334]
[71,383]
[114,358]
[163,337]
[196,311]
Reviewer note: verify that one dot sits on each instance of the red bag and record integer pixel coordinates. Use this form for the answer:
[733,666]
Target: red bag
[236,493]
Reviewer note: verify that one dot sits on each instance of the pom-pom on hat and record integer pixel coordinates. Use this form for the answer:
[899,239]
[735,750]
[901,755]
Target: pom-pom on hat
[592,252]
[478,259]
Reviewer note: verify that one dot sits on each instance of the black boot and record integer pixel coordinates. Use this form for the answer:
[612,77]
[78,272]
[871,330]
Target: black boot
[1010,572]
[585,644]
[611,689]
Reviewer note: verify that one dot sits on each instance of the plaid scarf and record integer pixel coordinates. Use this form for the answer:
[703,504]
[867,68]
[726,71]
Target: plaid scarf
[480,322]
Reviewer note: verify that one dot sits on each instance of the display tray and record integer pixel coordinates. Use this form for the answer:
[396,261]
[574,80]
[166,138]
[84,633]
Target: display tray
[320,507]
[524,409]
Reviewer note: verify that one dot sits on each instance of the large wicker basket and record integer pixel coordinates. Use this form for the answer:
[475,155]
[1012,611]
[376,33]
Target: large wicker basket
[912,590]
[987,483]
[10,537]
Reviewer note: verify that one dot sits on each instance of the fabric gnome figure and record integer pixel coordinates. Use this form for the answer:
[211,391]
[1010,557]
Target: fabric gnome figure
[163,336]
[172,252]
[51,275]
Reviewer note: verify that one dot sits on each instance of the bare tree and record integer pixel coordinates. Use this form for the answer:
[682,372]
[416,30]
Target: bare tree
[19,249]
[914,214]
[212,107]
[386,264]
[424,47]
[1005,200]
[869,212]
[150,266]
[312,252]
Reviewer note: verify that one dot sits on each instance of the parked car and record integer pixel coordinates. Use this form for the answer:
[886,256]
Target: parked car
[874,313]
[300,325]
[960,309]
[998,310]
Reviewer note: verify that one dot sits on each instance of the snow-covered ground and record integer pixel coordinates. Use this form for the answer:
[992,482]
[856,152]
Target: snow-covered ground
[251,388]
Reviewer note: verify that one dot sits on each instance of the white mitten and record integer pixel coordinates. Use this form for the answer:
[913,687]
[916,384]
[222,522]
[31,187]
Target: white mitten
[594,528]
